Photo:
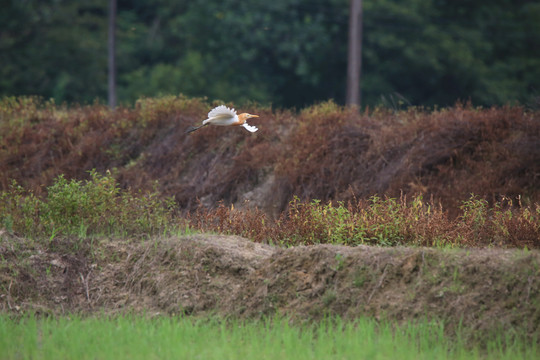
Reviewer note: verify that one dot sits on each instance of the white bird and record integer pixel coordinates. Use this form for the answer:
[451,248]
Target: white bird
[223,116]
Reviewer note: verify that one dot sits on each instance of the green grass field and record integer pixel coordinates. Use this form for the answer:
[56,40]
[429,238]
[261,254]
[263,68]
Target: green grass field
[138,337]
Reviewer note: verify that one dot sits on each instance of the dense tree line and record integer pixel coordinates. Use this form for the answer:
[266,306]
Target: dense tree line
[285,52]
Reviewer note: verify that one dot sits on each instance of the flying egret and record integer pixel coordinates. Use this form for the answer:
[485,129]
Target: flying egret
[223,116]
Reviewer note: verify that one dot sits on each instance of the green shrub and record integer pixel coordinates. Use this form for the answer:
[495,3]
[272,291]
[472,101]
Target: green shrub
[85,208]
[19,211]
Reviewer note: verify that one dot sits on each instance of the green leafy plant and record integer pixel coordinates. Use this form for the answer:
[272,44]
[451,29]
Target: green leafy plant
[86,208]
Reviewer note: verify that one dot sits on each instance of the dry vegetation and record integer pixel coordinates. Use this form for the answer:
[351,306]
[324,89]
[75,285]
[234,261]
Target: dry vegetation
[325,174]
[379,221]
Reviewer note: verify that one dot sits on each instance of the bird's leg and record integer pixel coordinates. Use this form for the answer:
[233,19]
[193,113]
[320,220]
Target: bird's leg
[193,128]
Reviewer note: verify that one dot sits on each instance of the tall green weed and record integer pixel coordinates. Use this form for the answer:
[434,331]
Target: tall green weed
[85,208]
[380,221]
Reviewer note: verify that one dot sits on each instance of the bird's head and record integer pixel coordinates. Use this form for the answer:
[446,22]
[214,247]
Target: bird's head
[245,116]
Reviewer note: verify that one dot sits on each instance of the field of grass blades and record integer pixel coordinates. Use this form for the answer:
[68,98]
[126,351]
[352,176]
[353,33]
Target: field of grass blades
[138,337]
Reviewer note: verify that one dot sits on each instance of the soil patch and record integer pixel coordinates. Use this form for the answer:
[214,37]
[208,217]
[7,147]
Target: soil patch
[483,290]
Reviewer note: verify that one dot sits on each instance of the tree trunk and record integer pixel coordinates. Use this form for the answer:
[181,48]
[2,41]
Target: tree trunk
[112,53]
[354,62]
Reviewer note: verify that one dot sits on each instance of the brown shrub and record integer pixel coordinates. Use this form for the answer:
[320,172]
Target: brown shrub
[446,154]
[325,152]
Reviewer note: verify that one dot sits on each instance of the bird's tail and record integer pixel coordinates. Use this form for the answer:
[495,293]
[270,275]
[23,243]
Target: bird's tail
[193,128]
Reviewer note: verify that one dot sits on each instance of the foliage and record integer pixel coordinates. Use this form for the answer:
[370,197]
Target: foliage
[450,50]
[41,140]
[335,154]
[95,207]
[54,49]
[325,152]
[383,222]
[362,168]
[98,207]
[286,52]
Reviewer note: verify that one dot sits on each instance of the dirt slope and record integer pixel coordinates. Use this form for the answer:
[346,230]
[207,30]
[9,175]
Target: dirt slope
[201,274]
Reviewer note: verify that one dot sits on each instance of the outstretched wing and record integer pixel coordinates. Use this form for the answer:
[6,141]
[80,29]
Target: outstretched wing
[249,127]
[221,111]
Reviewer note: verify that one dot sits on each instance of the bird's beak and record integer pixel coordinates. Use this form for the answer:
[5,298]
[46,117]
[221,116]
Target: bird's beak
[253,116]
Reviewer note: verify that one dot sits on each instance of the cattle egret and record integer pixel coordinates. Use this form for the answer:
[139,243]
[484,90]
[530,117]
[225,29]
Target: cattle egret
[223,116]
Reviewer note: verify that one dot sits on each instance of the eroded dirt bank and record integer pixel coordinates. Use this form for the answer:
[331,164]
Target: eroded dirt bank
[485,289]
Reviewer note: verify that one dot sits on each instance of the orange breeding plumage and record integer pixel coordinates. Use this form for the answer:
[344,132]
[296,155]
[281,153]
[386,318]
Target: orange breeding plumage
[223,116]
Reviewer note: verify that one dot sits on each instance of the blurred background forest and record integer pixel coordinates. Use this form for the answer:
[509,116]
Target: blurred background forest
[289,53]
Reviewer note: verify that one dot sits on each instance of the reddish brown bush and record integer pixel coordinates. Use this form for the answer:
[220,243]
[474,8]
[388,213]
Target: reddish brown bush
[325,152]
[447,154]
